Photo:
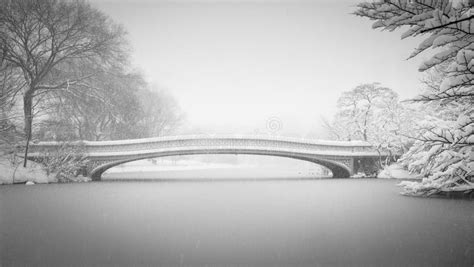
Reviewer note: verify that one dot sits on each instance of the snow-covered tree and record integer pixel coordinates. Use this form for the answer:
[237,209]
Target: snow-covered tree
[373,113]
[360,105]
[443,150]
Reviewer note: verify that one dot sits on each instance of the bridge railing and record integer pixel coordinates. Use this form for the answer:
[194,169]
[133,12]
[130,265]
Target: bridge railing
[209,141]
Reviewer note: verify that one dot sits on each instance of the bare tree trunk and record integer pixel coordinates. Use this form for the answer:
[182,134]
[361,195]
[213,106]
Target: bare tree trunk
[380,157]
[28,112]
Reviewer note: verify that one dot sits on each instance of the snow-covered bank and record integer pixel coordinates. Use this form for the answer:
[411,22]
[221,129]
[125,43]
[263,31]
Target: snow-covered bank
[458,179]
[427,188]
[33,173]
[15,173]
[396,171]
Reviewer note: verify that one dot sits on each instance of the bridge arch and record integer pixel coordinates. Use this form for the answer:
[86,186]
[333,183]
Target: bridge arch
[338,169]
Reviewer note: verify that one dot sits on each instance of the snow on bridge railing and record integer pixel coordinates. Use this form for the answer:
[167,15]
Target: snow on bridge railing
[215,137]
[213,142]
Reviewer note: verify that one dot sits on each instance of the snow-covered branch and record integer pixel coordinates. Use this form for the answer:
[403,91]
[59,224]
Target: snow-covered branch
[444,144]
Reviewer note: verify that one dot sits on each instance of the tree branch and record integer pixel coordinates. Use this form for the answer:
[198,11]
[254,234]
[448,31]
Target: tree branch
[448,24]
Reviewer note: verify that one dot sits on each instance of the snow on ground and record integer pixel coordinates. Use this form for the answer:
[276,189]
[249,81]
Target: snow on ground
[194,169]
[32,174]
[396,171]
[17,174]
[148,167]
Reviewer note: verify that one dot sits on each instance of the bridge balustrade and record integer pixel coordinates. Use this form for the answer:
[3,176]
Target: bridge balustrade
[230,143]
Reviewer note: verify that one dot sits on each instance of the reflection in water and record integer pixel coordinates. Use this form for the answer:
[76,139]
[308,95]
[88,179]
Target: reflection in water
[235,223]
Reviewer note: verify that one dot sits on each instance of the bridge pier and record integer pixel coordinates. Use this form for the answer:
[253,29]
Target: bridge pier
[368,166]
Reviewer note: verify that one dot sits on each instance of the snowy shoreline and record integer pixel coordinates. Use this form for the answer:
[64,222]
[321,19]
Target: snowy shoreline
[396,171]
[32,174]
[16,174]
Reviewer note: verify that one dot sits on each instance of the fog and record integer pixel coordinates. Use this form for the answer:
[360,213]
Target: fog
[233,65]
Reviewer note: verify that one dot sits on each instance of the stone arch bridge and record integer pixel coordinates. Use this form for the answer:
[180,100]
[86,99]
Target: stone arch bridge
[343,158]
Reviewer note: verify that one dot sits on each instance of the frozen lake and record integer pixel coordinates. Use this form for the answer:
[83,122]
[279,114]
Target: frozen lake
[289,222]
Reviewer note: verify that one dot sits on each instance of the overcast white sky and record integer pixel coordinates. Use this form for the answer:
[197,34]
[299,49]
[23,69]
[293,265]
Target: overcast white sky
[233,65]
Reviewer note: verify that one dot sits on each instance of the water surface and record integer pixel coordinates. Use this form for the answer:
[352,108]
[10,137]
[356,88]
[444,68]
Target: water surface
[328,222]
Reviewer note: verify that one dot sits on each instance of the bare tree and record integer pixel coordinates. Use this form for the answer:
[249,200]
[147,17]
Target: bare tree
[162,114]
[10,85]
[38,37]
[117,104]
[95,110]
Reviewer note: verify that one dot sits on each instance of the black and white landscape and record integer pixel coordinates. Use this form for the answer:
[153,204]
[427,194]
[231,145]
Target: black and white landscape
[236,133]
